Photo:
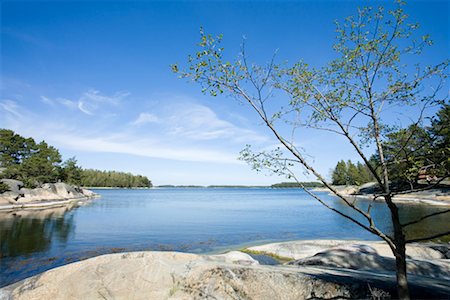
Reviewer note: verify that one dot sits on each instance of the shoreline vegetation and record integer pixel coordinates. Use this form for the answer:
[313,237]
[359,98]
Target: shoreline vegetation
[303,269]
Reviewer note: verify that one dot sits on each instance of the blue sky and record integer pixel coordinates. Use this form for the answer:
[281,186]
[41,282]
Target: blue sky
[93,79]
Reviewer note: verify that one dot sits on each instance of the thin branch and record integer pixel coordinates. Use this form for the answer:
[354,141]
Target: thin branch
[426,217]
[428,237]
[371,228]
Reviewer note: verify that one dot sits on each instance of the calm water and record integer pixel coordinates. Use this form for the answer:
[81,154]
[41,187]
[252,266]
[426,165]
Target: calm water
[193,220]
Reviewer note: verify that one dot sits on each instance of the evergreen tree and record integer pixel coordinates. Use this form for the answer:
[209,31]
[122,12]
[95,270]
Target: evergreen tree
[71,172]
[352,174]
[339,175]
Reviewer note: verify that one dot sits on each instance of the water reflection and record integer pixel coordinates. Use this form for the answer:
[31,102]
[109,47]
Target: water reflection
[28,232]
[408,213]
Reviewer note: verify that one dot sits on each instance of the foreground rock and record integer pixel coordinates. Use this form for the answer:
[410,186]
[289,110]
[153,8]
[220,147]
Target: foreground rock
[49,195]
[306,248]
[430,260]
[235,275]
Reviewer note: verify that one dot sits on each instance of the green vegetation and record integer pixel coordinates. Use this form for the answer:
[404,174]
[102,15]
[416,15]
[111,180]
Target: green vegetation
[28,161]
[311,184]
[351,174]
[409,150]
[37,163]
[96,178]
[3,187]
[372,78]
[406,151]
[279,258]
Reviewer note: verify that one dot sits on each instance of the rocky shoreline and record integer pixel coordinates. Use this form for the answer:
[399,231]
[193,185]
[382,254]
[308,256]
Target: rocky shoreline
[316,269]
[438,197]
[49,195]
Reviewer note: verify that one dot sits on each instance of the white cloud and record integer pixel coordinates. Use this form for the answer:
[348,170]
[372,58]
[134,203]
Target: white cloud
[67,103]
[186,131]
[145,118]
[60,134]
[199,122]
[143,147]
[47,100]
[89,102]
[10,106]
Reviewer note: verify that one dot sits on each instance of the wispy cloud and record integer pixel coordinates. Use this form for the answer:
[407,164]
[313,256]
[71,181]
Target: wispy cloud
[145,118]
[199,122]
[90,102]
[88,138]
[10,106]
[47,100]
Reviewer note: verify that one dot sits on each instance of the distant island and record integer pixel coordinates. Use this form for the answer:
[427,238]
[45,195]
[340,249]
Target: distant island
[311,184]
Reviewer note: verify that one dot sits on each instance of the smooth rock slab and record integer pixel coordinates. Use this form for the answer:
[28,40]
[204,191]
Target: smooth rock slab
[172,275]
[306,248]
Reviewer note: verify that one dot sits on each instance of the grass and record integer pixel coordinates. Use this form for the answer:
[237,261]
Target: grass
[279,258]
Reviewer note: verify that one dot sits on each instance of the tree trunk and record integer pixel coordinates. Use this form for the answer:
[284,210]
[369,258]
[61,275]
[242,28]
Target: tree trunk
[402,281]
[399,252]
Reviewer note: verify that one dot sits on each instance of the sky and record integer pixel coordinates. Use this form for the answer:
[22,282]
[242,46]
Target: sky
[94,80]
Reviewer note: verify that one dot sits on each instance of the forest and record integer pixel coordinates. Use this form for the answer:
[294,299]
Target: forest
[36,163]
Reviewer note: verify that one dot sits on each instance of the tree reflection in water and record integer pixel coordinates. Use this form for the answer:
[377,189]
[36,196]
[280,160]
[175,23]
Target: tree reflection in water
[28,232]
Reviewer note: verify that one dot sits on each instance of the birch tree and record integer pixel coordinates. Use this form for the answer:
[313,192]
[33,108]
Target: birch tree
[351,97]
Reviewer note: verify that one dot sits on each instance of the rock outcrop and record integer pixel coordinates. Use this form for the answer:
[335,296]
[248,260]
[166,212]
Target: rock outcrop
[306,248]
[173,275]
[363,257]
[49,194]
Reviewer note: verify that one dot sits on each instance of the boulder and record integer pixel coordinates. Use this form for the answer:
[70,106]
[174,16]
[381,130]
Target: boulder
[14,185]
[364,257]
[305,248]
[9,197]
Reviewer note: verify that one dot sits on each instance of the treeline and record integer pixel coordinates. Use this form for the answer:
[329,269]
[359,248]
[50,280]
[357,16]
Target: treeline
[97,178]
[311,184]
[37,163]
[348,173]
[409,153]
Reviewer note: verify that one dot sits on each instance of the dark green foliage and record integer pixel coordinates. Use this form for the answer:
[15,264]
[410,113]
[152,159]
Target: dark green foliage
[351,174]
[70,172]
[409,150]
[339,175]
[3,187]
[311,184]
[27,161]
[34,164]
[97,178]
[440,133]
[40,167]
[14,148]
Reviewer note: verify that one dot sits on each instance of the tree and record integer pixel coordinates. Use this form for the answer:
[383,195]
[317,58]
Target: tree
[440,134]
[363,173]
[71,172]
[339,176]
[406,153]
[352,174]
[41,167]
[14,149]
[348,97]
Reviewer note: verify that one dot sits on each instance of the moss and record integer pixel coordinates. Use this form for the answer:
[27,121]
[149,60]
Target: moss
[281,259]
